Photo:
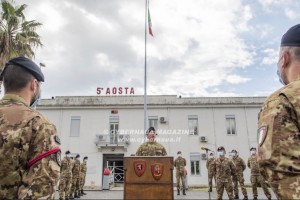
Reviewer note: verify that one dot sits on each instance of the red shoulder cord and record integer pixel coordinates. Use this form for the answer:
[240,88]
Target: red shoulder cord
[41,156]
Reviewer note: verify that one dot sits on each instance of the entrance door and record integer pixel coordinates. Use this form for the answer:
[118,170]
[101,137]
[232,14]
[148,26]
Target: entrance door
[115,164]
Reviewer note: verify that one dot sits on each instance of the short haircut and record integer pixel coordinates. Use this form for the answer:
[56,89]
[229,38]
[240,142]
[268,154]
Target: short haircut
[294,51]
[16,78]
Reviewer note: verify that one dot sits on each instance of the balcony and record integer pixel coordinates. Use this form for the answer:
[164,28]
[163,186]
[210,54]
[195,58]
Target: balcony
[112,141]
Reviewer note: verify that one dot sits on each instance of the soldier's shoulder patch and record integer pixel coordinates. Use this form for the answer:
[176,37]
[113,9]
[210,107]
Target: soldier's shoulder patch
[262,134]
[56,139]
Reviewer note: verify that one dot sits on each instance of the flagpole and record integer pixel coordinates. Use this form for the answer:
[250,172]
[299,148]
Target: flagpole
[145,72]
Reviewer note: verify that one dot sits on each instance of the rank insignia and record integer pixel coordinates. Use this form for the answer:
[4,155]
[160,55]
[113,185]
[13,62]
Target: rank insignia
[157,170]
[262,134]
[139,167]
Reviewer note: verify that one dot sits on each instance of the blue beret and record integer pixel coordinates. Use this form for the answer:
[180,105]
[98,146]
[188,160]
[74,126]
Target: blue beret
[28,64]
[291,37]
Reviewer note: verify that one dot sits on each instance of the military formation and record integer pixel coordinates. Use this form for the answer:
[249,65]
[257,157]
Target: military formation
[228,174]
[72,177]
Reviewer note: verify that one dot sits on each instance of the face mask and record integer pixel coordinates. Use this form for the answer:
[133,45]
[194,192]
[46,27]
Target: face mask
[279,74]
[253,152]
[37,98]
[233,154]
[220,153]
[211,156]
[179,155]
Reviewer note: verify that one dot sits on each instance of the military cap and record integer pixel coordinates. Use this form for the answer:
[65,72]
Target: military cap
[233,150]
[291,37]
[221,148]
[179,152]
[77,156]
[27,64]
[68,152]
[252,148]
[150,129]
[211,154]
[85,158]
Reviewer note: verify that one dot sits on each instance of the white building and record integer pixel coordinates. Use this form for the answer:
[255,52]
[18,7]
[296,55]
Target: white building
[107,128]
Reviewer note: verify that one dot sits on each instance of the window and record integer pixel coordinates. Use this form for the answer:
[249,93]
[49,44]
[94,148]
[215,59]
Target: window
[230,124]
[153,121]
[195,163]
[113,129]
[75,126]
[193,124]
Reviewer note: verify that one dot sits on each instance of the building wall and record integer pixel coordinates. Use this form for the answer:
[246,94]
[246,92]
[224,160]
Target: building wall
[94,113]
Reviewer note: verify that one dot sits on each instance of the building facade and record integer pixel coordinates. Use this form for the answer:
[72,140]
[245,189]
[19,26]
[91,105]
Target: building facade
[107,128]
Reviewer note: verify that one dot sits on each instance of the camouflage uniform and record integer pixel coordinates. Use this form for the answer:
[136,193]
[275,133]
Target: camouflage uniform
[256,177]
[211,174]
[82,175]
[240,166]
[151,149]
[25,137]
[75,178]
[224,169]
[65,178]
[180,163]
[279,141]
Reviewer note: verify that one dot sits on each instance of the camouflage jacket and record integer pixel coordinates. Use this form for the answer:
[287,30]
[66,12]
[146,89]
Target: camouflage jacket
[210,164]
[180,163]
[253,165]
[151,149]
[66,167]
[83,168]
[26,137]
[279,132]
[223,169]
[76,168]
[239,164]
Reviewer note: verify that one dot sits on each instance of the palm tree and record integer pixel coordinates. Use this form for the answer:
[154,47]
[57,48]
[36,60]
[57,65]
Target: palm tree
[18,37]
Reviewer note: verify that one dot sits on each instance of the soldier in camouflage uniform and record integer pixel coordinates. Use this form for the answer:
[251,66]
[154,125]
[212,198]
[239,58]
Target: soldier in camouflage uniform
[224,169]
[180,163]
[29,146]
[256,178]
[279,123]
[75,178]
[209,165]
[82,175]
[151,147]
[240,166]
[64,188]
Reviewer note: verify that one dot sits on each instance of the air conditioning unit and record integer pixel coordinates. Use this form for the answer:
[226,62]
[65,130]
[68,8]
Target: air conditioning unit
[203,156]
[162,120]
[203,139]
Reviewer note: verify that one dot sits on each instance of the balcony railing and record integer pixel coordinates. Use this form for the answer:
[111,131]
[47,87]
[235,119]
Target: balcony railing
[112,140]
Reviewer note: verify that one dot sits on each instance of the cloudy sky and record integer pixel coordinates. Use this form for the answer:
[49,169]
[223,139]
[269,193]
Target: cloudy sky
[200,47]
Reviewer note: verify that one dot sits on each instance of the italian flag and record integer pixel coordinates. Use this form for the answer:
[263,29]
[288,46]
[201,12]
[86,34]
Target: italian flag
[149,23]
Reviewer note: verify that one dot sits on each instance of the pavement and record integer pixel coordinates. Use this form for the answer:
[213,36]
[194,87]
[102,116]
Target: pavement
[199,193]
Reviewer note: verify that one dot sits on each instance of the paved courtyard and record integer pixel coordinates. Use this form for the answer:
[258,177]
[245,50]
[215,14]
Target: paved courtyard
[117,193]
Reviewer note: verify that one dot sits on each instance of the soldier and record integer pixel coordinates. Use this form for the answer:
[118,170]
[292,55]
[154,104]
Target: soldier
[240,167]
[224,169]
[279,123]
[66,177]
[255,175]
[180,163]
[29,147]
[209,165]
[151,147]
[82,175]
[75,178]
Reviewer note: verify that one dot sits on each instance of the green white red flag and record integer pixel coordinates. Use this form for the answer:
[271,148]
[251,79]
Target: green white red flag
[149,23]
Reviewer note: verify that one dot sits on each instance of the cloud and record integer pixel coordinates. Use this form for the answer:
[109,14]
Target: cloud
[270,58]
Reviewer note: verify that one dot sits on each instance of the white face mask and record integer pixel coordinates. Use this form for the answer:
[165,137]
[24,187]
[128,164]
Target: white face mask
[179,154]
[253,152]
[220,153]
[233,154]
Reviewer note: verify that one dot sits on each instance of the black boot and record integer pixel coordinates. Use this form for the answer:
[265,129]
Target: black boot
[236,196]
[255,198]
[71,196]
[183,192]
[245,198]
[178,192]
[210,189]
[83,192]
[76,195]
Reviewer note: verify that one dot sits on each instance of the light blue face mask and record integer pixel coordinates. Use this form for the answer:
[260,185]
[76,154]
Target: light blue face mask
[36,100]
[220,153]
[279,74]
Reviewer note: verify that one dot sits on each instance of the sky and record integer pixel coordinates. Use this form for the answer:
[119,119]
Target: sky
[200,48]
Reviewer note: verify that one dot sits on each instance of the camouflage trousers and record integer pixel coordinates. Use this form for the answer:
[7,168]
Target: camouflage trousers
[220,185]
[211,176]
[257,179]
[81,181]
[64,187]
[178,177]
[287,187]
[75,185]
[239,179]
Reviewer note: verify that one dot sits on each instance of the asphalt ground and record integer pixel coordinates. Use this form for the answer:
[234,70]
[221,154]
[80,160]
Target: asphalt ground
[201,193]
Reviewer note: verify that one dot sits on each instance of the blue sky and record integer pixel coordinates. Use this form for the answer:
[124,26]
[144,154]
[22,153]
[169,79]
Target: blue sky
[199,48]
